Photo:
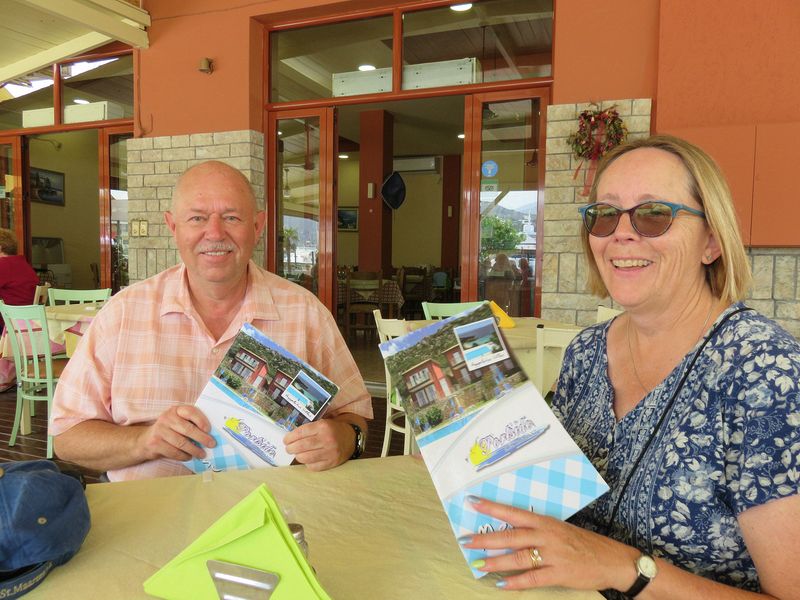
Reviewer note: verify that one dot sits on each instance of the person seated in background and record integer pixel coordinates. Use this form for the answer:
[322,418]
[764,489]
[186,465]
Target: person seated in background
[503,267]
[687,403]
[125,403]
[18,280]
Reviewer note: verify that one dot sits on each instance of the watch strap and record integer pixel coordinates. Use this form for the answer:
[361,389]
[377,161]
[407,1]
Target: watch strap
[641,581]
[360,442]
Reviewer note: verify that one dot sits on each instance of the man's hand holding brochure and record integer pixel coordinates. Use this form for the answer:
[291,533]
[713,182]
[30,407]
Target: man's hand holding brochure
[482,427]
[258,393]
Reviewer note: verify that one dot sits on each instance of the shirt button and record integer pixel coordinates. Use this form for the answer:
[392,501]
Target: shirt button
[214,350]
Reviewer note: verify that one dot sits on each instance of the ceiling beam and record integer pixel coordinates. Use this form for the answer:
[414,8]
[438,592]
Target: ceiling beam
[47,57]
[102,17]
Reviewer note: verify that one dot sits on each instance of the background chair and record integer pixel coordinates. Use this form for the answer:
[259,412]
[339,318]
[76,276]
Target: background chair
[442,310]
[441,285]
[551,343]
[37,370]
[59,295]
[360,286]
[387,330]
[604,313]
[415,286]
[41,293]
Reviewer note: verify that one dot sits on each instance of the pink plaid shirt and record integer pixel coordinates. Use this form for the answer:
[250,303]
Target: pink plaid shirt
[148,349]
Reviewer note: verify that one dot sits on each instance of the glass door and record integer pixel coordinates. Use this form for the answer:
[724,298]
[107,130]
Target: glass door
[503,183]
[114,231]
[11,214]
[300,199]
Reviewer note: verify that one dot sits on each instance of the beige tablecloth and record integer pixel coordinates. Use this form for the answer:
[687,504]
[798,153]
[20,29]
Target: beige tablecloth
[375,529]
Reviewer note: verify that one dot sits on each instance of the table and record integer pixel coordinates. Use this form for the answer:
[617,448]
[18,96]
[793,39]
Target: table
[387,294]
[67,323]
[375,529]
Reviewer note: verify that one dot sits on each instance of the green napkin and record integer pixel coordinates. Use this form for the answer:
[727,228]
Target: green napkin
[251,534]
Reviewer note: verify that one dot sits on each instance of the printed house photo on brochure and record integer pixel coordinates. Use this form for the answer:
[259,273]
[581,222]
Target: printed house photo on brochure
[482,427]
[259,392]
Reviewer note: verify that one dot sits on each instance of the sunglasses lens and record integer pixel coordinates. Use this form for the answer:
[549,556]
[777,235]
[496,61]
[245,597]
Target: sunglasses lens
[652,219]
[601,219]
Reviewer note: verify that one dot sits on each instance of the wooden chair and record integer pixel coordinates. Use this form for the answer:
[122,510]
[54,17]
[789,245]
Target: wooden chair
[59,295]
[442,310]
[604,313]
[551,343]
[37,370]
[441,285]
[41,293]
[387,330]
[364,284]
[415,286]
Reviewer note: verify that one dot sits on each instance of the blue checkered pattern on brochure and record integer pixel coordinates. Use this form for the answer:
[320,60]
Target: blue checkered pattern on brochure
[222,457]
[556,488]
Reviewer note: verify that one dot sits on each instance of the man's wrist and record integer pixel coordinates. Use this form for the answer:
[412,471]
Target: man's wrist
[359,441]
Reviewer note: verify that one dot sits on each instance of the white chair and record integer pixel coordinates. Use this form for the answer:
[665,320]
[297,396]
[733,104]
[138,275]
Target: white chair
[388,329]
[551,343]
[41,293]
[604,313]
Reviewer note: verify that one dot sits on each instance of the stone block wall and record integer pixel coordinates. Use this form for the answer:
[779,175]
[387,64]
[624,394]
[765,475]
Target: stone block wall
[774,292]
[154,165]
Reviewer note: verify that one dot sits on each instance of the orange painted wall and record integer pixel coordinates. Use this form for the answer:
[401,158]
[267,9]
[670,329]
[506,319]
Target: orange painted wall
[733,62]
[605,50]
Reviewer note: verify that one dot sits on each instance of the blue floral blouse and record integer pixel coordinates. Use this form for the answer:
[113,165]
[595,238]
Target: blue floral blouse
[729,441]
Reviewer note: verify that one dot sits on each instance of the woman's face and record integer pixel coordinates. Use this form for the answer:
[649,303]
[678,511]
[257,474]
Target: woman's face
[643,271]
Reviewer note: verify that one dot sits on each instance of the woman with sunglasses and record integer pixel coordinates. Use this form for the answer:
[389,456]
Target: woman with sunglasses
[687,404]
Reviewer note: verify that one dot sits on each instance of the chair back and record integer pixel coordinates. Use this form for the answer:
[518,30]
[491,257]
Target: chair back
[62,296]
[37,371]
[604,313]
[360,285]
[442,310]
[389,329]
[26,331]
[551,343]
[41,293]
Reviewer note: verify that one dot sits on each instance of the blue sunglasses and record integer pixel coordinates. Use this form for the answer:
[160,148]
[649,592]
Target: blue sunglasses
[649,219]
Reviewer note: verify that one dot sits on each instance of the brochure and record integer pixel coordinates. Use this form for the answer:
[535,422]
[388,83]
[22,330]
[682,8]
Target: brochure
[483,428]
[259,392]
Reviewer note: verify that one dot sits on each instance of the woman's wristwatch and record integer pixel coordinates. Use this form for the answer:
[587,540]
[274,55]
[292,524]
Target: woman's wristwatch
[361,441]
[646,570]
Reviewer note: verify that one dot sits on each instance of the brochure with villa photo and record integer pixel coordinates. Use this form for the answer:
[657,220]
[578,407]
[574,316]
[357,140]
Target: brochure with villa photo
[482,427]
[259,392]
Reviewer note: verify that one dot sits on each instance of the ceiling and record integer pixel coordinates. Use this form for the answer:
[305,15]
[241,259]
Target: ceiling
[37,33]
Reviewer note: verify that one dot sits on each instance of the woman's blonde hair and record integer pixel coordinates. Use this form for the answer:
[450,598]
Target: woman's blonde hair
[729,276]
[8,242]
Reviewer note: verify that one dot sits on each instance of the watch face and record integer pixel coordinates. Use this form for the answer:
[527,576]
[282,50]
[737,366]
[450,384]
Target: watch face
[647,566]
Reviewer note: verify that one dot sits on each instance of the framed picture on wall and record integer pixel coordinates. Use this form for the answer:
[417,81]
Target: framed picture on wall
[47,186]
[347,218]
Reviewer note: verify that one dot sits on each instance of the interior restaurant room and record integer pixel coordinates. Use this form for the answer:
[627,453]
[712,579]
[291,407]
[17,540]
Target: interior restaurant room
[420,273]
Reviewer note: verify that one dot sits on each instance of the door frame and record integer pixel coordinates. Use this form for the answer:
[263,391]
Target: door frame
[104,196]
[471,181]
[19,206]
[326,266]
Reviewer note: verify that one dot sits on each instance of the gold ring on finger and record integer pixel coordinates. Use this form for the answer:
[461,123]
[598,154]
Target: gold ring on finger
[536,558]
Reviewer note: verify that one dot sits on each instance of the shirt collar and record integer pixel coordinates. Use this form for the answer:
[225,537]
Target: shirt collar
[258,301]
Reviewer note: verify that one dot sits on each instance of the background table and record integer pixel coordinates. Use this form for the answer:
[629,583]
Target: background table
[375,529]
[388,294]
[66,323]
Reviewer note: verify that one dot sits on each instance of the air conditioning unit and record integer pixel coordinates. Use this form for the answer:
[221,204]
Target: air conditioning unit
[94,111]
[416,164]
[37,117]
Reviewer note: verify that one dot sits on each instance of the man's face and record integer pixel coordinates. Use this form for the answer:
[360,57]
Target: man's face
[215,224]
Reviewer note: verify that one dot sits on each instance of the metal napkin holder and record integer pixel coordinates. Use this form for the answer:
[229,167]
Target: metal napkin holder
[235,582]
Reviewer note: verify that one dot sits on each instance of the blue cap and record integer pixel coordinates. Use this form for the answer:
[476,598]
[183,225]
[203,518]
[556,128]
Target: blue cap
[44,519]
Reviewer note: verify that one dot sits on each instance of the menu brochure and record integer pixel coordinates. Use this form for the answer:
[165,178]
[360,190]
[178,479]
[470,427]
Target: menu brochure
[483,428]
[259,392]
